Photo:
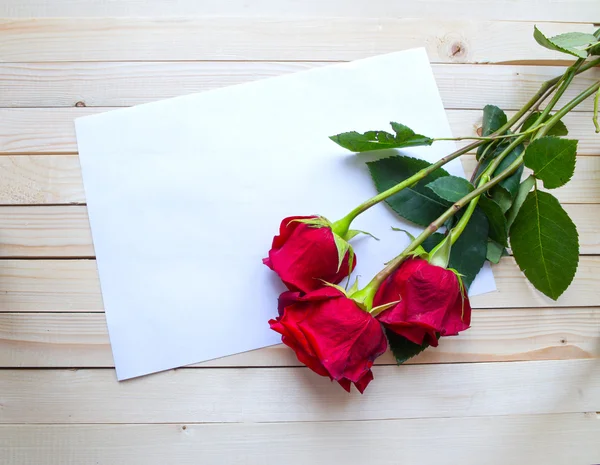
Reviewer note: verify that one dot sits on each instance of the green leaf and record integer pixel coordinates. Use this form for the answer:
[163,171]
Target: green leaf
[559,129]
[493,119]
[496,219]
[416,203]
[432,241]
[565,43]
[545,243]
[469,251]
[524,189]
[502,197]
[595,50]
[510,184]
[377,140]
[552,160]
[451,188]
[495,251]
[402,348]
[573,39]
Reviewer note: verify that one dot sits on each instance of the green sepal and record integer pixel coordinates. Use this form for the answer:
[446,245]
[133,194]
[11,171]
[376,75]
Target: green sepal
[419,251]
[440,255]
[354,287]
[342,247]
[382,308]
[352,233]
[318,222]
[335,286]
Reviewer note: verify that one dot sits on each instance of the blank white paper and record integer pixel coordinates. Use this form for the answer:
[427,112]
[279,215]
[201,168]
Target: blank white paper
[185,195]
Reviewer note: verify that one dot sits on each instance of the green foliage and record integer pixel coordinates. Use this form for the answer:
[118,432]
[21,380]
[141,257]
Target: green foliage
[493,119]
[552,160]
[524,189]
[545,243]
[503,193]
[416,203]
[496,219]
[559,129]
[495,251]
[469,251]
[451,188]
[572,43]
[377,140]
[402,348]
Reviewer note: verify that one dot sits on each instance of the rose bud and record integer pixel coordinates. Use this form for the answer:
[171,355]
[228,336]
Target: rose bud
[307,252]
[332,336]
[431,301]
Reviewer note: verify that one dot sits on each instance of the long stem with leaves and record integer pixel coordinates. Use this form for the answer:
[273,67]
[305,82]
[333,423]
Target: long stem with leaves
[547,87]
[368,293]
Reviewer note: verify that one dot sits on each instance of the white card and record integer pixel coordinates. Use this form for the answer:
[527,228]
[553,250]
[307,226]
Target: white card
[185,195]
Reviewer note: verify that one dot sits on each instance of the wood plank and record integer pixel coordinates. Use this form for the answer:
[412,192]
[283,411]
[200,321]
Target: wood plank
[64,231]
[540,10]
[230,38]
[226,395]
[554,439]
[117,84]
[80,340]
[72,285]
[51,130]
[41,179]
[56,179]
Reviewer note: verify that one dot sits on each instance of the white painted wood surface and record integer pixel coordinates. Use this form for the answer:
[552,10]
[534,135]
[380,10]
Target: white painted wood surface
[532,398]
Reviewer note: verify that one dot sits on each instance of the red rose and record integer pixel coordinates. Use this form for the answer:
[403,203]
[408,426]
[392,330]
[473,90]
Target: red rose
[332,336]
[303,255]
[431,301]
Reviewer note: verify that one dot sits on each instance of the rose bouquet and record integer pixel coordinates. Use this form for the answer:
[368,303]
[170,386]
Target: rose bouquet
[420,296]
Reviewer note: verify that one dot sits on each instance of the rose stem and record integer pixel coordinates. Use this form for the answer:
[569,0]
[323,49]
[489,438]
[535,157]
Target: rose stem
[368,293]
[341,227]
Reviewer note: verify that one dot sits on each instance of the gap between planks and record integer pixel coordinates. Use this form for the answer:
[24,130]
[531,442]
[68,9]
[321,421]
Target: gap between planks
[464,86]
[551,439]
[60,340]
[73,285]
[310,39]
[297,394]
[51,130]
[582,11]
[34,232]
[53,180]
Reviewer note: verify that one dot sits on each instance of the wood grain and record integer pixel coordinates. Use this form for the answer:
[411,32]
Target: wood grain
[44,179]
[554,439]
[116,84]
[56,179]
[72,285]
[64,231]
[51,130]
[79,340]
[540,10]
[226,395]
[231,38]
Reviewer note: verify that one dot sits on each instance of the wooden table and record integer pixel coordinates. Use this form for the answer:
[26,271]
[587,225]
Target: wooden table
[521,387]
